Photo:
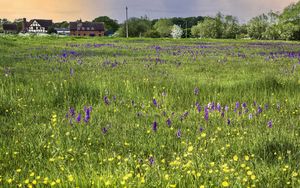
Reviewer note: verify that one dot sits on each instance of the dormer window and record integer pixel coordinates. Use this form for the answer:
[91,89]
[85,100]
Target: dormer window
[92,28]
[87,28]
[83,28]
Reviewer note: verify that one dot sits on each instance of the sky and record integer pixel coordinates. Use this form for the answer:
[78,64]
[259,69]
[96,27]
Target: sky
[70,10]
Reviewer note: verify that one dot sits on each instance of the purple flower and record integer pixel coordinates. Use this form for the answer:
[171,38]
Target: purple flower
[106,101]
[154,102]
[259,110]
[87,114]
[72,112]
[270,124]
[198,107]
[178,134]
[266,106]
[237,105]
[228,121]
[154,126]
[169,122]
[151,160]
[104,130]
[196,91]
[222,114]
[244,105]
[201,129]
[78,119]
[226,108]
[206,115]
[219,107]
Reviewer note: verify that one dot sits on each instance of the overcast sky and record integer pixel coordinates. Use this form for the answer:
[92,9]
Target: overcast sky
[69,10]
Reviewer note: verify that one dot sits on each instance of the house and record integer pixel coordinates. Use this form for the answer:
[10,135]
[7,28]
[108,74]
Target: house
[62,31]
[37,26]
[10,28]
[80,28]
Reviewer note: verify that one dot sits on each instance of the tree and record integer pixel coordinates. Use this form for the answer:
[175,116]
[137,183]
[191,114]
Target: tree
[111,25]
[176,32]
[137,27]
[230,27]
[257,26]
[163,27]
[63,24]
[206,29]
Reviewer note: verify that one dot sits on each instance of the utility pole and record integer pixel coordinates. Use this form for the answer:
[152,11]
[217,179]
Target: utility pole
[126,22]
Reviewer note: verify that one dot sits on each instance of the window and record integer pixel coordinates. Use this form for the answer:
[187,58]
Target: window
[87,28]
[92,28]
[83,28]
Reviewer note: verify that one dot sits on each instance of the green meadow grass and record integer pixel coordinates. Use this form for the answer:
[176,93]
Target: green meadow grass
[118,147]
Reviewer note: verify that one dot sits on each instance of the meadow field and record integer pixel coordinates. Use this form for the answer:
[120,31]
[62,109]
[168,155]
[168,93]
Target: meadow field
[109,112]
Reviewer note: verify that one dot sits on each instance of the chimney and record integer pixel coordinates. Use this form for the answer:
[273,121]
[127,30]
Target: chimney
[24,25]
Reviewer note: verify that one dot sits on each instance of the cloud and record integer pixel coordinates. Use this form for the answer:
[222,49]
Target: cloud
[89,9]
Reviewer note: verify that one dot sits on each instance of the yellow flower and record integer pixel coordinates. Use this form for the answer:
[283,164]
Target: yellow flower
[235,158]
[202,186]
[9,181]
[26,181]
[247,158]
[203,135]
[167,177]
[225,184]
[142,180]
[172,185]
[34,182]
[294,174]
[253,177]
[32,174]
[249,173]
[53,183]
[19,170]
[70,178]
[58,181]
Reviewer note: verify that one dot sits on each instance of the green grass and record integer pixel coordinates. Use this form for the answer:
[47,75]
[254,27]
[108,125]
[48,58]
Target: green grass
[40,147]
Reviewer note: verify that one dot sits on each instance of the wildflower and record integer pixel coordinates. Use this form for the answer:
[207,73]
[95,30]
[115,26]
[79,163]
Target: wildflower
[87,114]
[270,124]
[226,108]
[154,102]
[151,160]
[154,126]
[196,91]
[247,158]
[259,110]
[228,121]
[190,148]
[104,130]
[206,115]
[250,116]
[235,158]
[253,177]
[201,129]
[169,122]
[70,178]
[225,184]
[198,107]
[219,107]
[106,101]
[78,119]
[72,111]
[178,133]
[244,105]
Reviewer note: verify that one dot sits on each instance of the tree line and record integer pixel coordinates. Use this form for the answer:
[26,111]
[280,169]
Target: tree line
[272,26]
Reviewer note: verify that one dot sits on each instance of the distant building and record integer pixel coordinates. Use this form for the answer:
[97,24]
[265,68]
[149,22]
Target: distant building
[62,31]
[10,28]
[36,26]
[86,29]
